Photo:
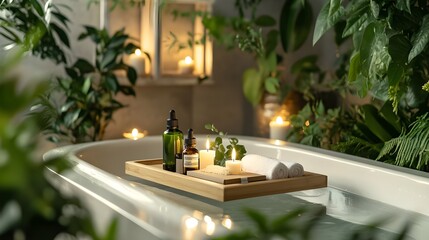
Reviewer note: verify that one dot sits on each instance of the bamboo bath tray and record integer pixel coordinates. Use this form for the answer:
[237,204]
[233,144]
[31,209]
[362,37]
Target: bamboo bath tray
[151,170]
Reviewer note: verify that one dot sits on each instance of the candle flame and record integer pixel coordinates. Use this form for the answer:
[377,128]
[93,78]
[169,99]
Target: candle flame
[233,154]
[135,133]
[138,52]
[307,123]
[279,120]
[188,60]
[207,144]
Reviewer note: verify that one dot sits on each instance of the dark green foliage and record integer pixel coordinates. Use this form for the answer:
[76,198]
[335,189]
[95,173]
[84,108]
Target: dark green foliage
[223,153]
[317,126]
[24,16]
[411,148]
[371,130]
[89,91]
[30,206]
[390,39]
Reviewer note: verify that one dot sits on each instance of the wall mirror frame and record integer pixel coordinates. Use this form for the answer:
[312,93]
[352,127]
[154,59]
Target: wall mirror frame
[179,49]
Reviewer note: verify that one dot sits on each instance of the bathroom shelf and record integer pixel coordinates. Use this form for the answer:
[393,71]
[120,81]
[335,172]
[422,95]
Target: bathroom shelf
[151,170]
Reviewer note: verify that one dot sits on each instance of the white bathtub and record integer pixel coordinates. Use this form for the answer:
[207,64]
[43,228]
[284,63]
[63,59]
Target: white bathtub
[359,191]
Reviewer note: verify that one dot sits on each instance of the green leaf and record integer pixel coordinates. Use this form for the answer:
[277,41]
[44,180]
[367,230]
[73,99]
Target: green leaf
[387,112]
[366,48]
[130,48]
[61,34]
[330,14]
[84,66]
[63,19]
[271,42]
[354,67]
[37,7]
[111,234]
[375,8]
[117,42]
[71,117]
[272,85]
[268,64]
[395,73]
[86,85]
[358,19]
[399,48]
[403,5]
[253,86]
[67,106]
[375,123]
[295,24]
[112,83]
[421,39]
[132,75]
[127,90]
[108,58]
[265,21]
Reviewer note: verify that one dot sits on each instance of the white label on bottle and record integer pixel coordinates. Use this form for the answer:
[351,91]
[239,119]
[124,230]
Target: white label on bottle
[190,161]
[179,165]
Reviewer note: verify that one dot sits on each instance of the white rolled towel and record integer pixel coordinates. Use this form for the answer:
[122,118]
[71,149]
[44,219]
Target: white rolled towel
[269,167]
[294,169]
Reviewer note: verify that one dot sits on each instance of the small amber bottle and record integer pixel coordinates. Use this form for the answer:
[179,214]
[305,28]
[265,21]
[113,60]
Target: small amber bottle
[191,156]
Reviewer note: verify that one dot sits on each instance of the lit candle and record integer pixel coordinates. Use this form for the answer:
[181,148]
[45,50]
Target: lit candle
[134,134]
[186,66]
[207,156]
[279,128]
[137,62]
[234,166]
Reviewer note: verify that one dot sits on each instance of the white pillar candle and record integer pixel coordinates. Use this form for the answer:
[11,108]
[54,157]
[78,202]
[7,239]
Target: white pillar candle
[207,156]
[137,61]
[233,166]
[186,66]
[279,128]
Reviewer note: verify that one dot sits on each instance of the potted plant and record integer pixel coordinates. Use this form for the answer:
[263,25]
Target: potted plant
[389,62]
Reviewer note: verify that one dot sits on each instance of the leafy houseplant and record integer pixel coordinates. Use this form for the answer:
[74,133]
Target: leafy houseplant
[31,207]
[23,16]
[223,153]
[89,90]
[389,61]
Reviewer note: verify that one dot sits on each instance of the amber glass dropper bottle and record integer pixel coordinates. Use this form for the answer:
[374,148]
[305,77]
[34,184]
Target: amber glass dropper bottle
[191,156]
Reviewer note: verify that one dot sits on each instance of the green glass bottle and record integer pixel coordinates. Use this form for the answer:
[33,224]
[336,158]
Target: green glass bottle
[172,140]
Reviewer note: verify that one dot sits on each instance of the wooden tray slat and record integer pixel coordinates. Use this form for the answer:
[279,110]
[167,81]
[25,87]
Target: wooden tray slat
[151,170]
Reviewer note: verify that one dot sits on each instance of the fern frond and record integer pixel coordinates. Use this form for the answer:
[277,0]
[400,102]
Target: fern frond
[358,146]
[412,147]
[45,113]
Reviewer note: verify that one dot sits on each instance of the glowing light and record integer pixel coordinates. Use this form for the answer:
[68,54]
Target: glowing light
[233,154]
[227,223]
[279,120]
[307,123]
[207,144]
[188,60]
[135,134]
[138,52]
[191,223]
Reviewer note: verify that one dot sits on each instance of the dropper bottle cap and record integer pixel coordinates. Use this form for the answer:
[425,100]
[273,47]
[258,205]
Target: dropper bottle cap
[172,122]
[190,140]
